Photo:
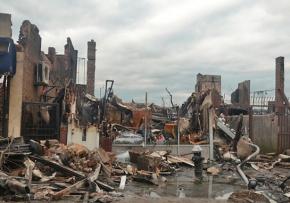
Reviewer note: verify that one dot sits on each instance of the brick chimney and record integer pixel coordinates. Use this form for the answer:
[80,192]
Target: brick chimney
[279,85]
[91,67]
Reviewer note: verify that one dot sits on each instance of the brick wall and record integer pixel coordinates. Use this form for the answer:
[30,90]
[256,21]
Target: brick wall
[206,82]
[30,39]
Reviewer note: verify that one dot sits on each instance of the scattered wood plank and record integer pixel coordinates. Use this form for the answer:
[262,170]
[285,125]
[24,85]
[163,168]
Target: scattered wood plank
[86,198]
[68,190]
[96,174]
[104,186]
[93,177]
[122,182]
[106,170]
[59,167]
[103,155]
[182,159]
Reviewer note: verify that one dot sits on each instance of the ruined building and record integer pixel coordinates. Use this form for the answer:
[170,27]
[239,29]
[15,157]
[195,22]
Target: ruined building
[40,98]
[241,96]
[208,82]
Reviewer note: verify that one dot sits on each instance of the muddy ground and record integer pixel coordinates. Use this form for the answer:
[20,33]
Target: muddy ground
[183,187]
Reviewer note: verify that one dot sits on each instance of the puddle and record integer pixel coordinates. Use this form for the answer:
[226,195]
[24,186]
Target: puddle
[182,185]
[154,195]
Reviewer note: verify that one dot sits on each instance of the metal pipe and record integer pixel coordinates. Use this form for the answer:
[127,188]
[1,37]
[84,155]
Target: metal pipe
[239,166]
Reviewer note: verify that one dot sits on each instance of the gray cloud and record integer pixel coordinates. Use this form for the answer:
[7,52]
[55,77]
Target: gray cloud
[148,45]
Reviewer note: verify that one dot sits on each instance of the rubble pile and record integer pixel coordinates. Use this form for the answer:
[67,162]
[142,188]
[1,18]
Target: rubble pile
[127,123]
[263,174]
[49,170]
[151,166]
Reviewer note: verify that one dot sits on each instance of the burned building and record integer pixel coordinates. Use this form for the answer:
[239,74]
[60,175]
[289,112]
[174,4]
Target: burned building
[26,89]
[39,94]
[62,81]
[207,95]
[241,96]
[208,82]
[83,120]
[64,68]
[82,125]
[37,116]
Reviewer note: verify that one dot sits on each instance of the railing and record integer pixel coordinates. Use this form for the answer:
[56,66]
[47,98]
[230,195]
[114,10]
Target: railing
[262,104]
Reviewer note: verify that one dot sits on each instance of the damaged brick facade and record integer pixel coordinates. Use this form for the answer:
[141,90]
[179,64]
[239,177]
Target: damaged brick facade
[38,88]
[208,82]
[64,66]
[30,41]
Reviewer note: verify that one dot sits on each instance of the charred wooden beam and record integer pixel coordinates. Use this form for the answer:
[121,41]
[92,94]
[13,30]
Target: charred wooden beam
[70,171]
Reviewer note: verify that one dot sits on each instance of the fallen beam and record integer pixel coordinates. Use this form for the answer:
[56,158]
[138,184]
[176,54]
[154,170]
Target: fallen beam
[104,186]
[144,179]
[69,189]
[70,171]
[59,167]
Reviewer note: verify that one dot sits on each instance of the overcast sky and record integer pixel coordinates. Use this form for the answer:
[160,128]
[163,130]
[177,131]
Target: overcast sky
[148,45]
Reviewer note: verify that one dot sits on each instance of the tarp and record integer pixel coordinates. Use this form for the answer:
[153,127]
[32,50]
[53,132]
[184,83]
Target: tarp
[7,56]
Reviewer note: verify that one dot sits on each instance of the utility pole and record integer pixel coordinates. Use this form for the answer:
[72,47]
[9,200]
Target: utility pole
[210,117]
[163,102]
[178,130]
[176,108]
[146,104]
